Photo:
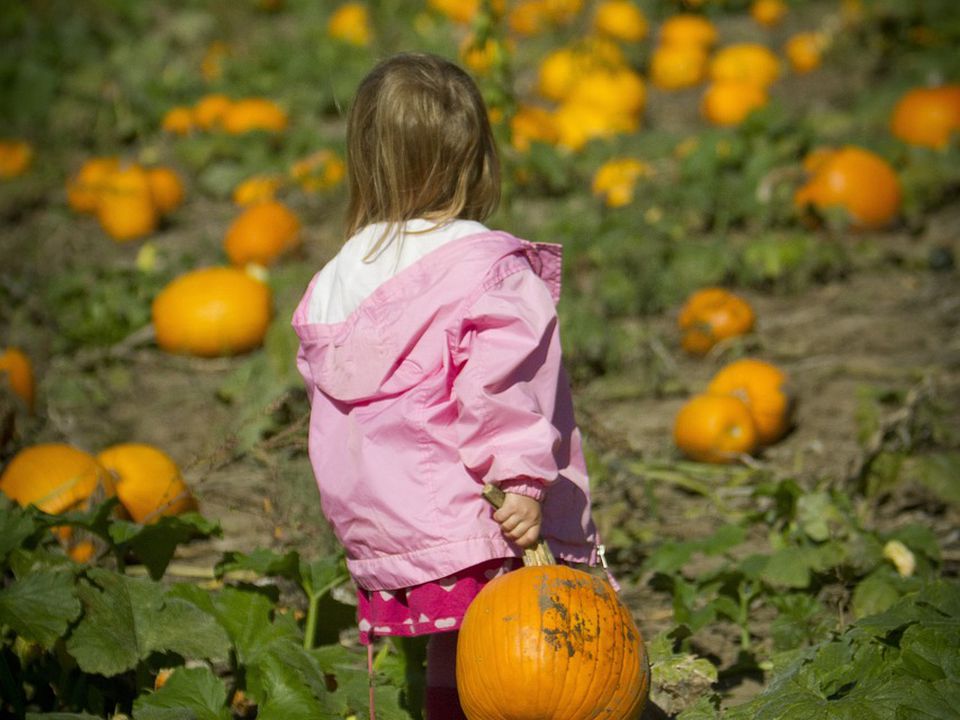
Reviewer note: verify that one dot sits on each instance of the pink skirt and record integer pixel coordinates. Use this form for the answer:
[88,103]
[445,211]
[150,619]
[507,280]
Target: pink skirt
[432,607]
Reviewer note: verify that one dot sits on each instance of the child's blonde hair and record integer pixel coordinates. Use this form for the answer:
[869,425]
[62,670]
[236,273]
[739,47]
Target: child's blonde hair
[419,145]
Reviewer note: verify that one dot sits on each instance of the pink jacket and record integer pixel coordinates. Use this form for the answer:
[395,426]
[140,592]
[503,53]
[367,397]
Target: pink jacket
[447,376]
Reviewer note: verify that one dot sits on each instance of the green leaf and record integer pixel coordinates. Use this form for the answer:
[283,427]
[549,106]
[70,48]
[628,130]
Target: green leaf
[788,567]
[40,606]
[262,561]
[155,544]
[60,716]
[15,526]
[246,615]
[189,694]
[938,472]
[126,619]
[874,594]
[323,574]
[291,686]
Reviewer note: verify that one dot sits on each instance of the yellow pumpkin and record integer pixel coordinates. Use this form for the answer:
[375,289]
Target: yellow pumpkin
[615,180]
[261,233]
[125,207]
[804,51]
[166,189]
[209,110]
[552,642]
[562,68]
[351,23]
[254,114]
[531,124]
[17,370]
[715,428]
[677,66]
[745,62]
[211,312]
[620,20]
[765,389]
[256,189]
[768,13]
[148,481]
[688,29]
[178,120]
[56,477]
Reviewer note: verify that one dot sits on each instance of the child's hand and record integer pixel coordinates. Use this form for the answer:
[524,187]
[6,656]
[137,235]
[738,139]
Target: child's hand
[520,518]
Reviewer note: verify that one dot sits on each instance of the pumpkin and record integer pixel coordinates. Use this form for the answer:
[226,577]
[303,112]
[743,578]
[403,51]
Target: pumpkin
[768,13]
[320,170]
[711,315]
[256,189]
[15,158]
[350,23]
[166,189]
[615,180]
[17,370]
[764,388]
[125,207]
[803,50]
[688,29]
[745,62]
[620,20]
[552,642]
[261,233]
[460,11]
[729,102]
[715,428]
[927,116]
[676,66]
[208,112]
[563,68]
[617,91]
[148,482]
[531,124]
[254,114]
[56,477]
[859,181]
[84,188]
[212,311]
[578,123]
[527,17]
[178,120]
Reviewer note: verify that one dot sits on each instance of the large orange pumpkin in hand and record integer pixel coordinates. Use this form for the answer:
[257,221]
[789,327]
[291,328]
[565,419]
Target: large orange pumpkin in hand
[715,428]
[261,233]
[148,482]
[550,642]
[711,315]
[766,391]
[856,180]
[927,116]
[211,312]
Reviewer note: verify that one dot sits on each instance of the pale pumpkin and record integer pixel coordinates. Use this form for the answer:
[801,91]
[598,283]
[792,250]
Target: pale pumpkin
[148,481]
[211,312]
[710,315]
[261,233]
[715,428]
[552,642]
[766,391]
[55,477]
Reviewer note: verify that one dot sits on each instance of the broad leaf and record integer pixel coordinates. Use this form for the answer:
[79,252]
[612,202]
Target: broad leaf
[40,606]
[189,694]
[15,527]
[155,544]
[262,561]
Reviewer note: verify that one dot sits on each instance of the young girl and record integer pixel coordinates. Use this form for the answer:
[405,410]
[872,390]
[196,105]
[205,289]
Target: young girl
[431,355]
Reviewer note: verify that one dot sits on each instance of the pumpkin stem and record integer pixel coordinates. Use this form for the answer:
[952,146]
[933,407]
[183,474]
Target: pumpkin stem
[540,553]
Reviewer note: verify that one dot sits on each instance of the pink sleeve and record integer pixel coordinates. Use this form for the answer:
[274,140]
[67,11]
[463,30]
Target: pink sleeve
[506,388]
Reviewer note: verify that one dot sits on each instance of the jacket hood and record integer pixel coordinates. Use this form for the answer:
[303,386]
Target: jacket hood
[398,333]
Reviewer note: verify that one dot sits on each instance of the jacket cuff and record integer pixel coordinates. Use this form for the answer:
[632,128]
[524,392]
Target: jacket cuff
[524,486]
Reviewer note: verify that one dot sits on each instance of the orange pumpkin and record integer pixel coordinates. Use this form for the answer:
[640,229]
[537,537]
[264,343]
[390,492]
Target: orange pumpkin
[688,29]
[55,477]
[16,157]
[178,120]
[212,311]
[676,66]
[729,102]
[859,181]
[261,233]
[715,428]
[745,62]
[531,124]
[803,50]
[166,189]
[766,391]
[564,67]
[209,110]
[927,116]
[17,370]
[148,482]
[615,180]
[125,207]
[84,188]
[550,642]
[768,13]
[621,20]
[351,23]
[711,315]
[320,170]
[254,114]
[256,189]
